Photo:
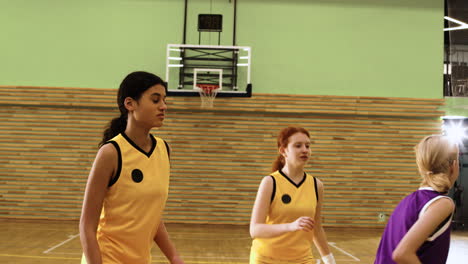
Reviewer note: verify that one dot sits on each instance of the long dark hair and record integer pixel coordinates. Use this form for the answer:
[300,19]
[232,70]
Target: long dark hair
[134,85]
[282,142]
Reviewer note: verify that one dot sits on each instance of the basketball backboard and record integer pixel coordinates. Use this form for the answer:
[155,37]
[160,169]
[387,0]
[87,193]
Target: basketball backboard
[226,66]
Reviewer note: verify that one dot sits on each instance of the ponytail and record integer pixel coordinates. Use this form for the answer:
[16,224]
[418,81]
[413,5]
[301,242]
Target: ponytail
[439,181]
[278,164]
[115,127]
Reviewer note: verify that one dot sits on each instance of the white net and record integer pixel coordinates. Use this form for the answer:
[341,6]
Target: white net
[208,94]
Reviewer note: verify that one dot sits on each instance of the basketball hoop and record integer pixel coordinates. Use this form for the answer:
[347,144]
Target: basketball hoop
[207,93]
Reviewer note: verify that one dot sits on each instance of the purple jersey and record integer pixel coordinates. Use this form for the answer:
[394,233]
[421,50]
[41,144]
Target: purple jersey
[435,249]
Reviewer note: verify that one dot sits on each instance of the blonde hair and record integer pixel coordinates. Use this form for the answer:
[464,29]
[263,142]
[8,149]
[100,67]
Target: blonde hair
[434,156]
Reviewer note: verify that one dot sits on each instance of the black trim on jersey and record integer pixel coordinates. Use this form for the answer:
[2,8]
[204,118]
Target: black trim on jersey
[168,149]
[274,189]
[316,191]
[153,145]
[442,224]
[119,163]
[297,185]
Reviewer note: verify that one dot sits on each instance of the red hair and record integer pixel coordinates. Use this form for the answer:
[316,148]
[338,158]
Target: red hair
[282,142]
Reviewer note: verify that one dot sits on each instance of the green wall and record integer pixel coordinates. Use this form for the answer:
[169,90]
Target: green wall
[328,47]
[85,43]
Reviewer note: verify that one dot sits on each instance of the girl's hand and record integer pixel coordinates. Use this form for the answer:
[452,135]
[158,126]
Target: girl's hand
[304,223]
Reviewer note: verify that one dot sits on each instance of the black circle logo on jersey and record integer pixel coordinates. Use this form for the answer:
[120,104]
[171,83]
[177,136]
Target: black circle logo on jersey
[137,175]
[286,198]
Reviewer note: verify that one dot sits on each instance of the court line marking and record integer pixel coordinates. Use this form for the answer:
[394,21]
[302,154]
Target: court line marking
[71,237]
[163,257]
[214,238]
[35,257]
[154,261]
[333,244]
[157,257]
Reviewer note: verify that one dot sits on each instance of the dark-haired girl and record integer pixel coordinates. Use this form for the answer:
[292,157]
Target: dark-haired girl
[128,183]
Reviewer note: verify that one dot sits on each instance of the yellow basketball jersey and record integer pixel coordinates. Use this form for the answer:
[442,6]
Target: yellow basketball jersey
[289,201]
[134,203]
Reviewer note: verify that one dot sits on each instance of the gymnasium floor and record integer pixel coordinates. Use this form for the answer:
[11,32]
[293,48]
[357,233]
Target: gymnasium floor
[26,242]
